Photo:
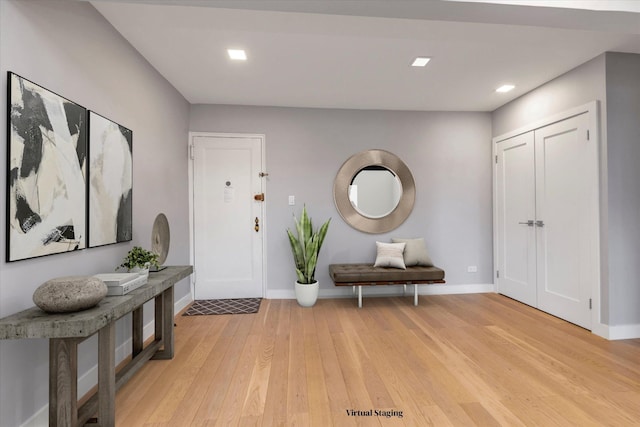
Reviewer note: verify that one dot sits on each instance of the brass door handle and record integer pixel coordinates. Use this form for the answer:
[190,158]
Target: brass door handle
[257,226]
[259,197]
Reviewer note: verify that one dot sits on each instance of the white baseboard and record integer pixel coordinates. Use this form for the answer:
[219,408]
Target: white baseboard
[88,380]
[182,303]
[617,332]
[346,291]
[39,419]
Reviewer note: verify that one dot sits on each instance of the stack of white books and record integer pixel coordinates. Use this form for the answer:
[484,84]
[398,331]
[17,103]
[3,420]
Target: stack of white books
[122,283]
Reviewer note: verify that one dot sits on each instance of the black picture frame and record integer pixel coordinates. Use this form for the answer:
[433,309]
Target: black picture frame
[46,171]
[110,188]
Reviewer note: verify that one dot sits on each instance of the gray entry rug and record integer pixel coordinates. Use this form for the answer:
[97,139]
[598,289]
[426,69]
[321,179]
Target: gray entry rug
[223,306]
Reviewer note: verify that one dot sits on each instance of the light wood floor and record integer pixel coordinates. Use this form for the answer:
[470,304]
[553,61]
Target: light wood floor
[461,360]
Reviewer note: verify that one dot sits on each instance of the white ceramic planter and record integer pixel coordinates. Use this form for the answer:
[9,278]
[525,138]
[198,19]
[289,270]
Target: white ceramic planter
[307,295]
[140,271]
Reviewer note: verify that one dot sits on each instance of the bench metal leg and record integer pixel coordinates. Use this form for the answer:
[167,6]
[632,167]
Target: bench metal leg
[404,289]
[359,296]
[415,294]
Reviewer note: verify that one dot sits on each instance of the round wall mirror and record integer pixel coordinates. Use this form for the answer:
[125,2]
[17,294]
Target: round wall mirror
[374,191]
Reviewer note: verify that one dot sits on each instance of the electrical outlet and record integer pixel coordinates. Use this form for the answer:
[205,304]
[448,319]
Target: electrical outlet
[292,200]
[472,269]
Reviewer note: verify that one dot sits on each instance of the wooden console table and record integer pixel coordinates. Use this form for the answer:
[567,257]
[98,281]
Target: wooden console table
[66,331]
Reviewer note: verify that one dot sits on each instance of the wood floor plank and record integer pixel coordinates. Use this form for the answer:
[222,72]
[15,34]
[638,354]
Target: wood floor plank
[257,392]
[454,360]
[405,394]
[193,398]
[211,406]
[275,413]
[237,391]
[352,373]
[479,414]
[337,394]
[297,399]
[319,408]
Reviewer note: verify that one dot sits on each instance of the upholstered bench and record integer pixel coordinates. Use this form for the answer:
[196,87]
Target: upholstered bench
[359,275]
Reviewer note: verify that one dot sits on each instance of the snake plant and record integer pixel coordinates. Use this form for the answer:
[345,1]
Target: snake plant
[306,246]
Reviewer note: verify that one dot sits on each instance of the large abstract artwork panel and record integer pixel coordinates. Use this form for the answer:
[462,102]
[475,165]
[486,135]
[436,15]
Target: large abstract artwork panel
[47,147]
[110,181]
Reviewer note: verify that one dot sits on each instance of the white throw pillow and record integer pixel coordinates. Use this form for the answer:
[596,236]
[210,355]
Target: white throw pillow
[415,253]
[390,255]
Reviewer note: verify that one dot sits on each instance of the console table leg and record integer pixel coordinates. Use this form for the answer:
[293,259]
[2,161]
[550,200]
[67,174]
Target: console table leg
[164,319]
[107,376]
[157,316]
[63,382]
[137,338]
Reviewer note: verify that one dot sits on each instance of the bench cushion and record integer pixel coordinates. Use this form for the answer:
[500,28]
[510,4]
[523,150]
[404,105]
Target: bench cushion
[343,274]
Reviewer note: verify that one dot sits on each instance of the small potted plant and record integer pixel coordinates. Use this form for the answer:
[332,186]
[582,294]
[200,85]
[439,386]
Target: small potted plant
[305,248]
[138,260]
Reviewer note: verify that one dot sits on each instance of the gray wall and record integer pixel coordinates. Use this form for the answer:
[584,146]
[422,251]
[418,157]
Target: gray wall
[577,87]
[614,80]
[70,49]
[623,173]
[449,155]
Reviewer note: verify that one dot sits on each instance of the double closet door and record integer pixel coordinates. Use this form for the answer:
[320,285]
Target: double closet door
[547,218]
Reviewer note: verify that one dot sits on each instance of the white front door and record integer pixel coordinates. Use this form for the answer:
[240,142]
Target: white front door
[228,220]
[515,188]
[566,203]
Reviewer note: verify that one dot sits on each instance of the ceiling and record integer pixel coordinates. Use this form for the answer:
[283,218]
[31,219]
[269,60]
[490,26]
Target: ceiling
[356,53]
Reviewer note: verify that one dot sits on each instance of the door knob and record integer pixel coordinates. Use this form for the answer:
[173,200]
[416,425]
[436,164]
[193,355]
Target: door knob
[259,197]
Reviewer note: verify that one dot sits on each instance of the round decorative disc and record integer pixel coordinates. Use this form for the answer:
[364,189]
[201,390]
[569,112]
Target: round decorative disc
[160,237]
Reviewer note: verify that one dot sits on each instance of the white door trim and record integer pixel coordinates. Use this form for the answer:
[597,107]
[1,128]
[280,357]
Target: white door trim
[262,139]
[593,114]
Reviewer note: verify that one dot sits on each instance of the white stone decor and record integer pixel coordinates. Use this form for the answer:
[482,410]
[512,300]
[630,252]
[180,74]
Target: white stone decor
[68,294]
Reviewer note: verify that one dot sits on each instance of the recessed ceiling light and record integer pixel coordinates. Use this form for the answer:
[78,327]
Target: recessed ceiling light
[505,88]
[237,54]
[420,61]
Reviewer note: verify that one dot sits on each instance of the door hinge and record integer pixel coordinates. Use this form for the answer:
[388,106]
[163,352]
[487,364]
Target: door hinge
[588,135]
[498,274]
[590,304]
[496,159]
[191,152]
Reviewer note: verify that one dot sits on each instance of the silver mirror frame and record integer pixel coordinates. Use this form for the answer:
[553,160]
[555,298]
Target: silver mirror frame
[341,191]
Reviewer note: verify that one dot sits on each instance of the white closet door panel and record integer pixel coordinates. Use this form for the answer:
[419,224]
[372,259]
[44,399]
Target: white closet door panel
[565,252]
[516,207]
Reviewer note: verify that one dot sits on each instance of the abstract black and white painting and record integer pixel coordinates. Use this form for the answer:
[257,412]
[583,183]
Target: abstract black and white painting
[46,198]
[110,181]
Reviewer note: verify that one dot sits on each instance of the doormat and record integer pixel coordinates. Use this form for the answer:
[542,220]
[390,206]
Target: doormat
[207,307]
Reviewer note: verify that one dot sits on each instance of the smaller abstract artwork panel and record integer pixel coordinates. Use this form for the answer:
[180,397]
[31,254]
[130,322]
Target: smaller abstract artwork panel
[110,181]
[46,197]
